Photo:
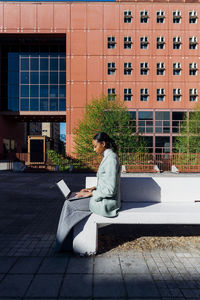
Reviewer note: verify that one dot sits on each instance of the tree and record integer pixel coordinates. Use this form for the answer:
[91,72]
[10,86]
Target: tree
[112,117]
[189,139]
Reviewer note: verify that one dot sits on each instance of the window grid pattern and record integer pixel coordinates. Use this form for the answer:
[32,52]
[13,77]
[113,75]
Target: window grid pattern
[42,82]
[193,95]
[144,94]
[127,16]
[127,68]
[111,94]
[127,42]
[111,42]
[127,94]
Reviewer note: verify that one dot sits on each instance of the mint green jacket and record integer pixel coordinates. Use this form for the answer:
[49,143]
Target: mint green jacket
[105,200]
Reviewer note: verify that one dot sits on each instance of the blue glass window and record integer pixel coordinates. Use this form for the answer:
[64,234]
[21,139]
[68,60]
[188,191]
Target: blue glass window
[25,64]
[44,104]
[24,90]
[43,90]
[25,77]
[53,104]
[38,80]
[43,77]
[62,79]
[24,104]
[34,78]
[62,104]
[62,64]
[34,105]
[54,77]
[34,64]
[54,64]
[62,91]
[34,91]
[44,64]
[53,91]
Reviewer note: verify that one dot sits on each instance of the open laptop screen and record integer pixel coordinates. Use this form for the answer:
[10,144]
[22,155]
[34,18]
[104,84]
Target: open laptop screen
[63,187]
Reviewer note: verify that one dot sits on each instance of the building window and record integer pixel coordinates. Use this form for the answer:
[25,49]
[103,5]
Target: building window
[144,16]
[177,42]
[160,42]
[144,68]
[111,42]
[160,16]
[128,16]
[176,16]
[193,42]
[111,94]
[145,122]
[176,68]
[144,95]
[193,69]
[42,81]
[127,68]
[127,42]
[160,68]
[193,95]
[162,122]
[192,17]
[128,94]
[144,42]
[160,94]
[111,68]
[176,95]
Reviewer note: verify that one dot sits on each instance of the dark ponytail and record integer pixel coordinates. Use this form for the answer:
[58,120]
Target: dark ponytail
[104,137]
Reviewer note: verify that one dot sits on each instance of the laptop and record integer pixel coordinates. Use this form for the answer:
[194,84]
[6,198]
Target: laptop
[66,191]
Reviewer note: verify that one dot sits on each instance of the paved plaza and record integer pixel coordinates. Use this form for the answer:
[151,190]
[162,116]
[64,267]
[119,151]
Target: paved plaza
[30,205]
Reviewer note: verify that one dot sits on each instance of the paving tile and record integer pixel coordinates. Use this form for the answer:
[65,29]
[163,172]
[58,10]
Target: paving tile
[109,286]
[77,285]
[107,265]
[26,265]
[140,287]
[45,286]
[6,263]
[15,285]
[133,265]
[80,265]
[54,265]
[191,293]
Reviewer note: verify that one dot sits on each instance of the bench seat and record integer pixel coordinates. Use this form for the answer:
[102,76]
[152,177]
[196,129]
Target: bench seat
[174,203]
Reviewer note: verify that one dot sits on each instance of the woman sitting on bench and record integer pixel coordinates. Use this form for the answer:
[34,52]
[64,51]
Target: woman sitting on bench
[104,199]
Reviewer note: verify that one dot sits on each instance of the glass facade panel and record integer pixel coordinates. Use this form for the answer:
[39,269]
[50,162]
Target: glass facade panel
[62,78]
[24,90]
[34,91]
[34,78]
[62,104]
[54,104]
[39,80]
[54,64]
[54,77]
[162,115]
[34,64]
[25,77]
[43,77]
[145,115]
[44,91]
[44,104]
[34,104]
[25,64]
[24,104]
[43,64]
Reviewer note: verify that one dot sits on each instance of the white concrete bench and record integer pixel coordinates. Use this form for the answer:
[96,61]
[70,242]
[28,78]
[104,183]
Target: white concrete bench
[145,200]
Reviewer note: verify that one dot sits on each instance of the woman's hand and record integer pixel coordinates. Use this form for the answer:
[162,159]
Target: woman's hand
[88,189]
[84,194]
